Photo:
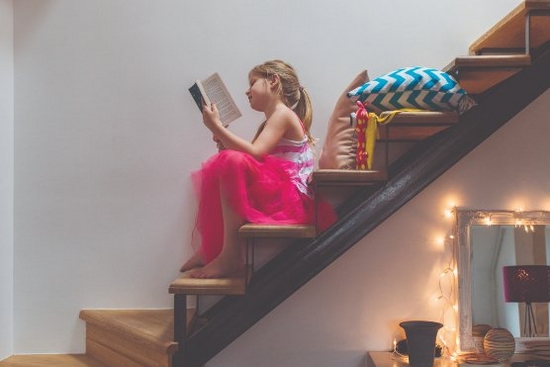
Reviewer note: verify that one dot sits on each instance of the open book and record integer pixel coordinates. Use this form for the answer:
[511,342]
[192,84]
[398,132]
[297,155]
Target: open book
[212,89]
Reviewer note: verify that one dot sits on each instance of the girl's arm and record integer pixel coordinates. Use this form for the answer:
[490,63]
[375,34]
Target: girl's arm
[273,131]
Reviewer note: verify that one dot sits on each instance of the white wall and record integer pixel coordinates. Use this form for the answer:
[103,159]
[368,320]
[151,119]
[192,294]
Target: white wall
[106,136]
[6,178]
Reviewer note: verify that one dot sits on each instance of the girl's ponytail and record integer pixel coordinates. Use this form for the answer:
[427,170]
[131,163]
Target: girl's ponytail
[304,111]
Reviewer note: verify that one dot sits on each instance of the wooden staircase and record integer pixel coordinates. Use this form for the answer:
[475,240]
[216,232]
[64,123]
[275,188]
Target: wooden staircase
[504,84]
[505,70]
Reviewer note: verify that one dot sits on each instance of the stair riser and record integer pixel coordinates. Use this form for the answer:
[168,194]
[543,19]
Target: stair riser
[108,356]
[116,349]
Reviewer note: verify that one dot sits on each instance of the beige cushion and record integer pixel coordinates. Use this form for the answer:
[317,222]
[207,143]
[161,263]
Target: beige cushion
[341,142]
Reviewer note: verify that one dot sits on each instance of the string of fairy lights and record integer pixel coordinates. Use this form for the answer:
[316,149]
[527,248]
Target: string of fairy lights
[447,283]
[446,295]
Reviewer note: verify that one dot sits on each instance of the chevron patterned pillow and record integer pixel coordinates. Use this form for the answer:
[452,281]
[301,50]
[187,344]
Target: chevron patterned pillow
[413,87]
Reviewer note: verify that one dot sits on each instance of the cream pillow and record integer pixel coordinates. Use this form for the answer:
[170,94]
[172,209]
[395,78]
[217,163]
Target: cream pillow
[341,140]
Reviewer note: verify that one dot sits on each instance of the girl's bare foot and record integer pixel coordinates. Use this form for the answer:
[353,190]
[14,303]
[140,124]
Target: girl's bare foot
[218,268]
[194,262]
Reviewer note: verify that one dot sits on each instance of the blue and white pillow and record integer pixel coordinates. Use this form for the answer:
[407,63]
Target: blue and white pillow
[413,87]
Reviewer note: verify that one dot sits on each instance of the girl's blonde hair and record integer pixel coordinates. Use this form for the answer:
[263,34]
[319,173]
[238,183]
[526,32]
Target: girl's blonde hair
[292,93]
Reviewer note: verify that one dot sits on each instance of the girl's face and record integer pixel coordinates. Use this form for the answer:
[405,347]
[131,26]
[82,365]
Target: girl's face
[258,92]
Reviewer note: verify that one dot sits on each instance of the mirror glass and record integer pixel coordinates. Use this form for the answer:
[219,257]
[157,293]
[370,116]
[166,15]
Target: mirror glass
[487,240]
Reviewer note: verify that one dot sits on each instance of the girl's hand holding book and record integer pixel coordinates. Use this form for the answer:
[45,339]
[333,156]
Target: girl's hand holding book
[211,117]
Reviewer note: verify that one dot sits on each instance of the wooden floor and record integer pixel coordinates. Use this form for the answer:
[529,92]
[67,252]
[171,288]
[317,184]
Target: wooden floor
[51,360]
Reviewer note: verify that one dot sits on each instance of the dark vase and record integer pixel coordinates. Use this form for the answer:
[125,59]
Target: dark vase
[421,341]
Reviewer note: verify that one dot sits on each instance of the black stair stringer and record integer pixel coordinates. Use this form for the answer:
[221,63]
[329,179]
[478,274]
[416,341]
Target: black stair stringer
[420,166]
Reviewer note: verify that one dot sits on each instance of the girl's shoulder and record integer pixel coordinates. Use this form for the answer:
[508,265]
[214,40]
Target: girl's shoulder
[289,121]
[289,117]
[285,113]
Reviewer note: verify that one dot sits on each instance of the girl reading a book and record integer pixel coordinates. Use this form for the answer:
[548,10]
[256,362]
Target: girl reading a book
[263,181]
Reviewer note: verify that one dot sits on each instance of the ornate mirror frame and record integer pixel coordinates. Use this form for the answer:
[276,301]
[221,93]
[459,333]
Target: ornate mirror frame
[464,220]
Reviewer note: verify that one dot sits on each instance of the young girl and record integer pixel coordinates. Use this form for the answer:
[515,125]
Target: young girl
[263,181]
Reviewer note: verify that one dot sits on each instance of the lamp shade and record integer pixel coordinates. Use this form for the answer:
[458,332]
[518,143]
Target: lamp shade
[527,283]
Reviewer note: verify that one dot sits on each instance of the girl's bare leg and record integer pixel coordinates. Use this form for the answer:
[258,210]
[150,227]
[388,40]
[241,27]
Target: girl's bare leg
[230,259]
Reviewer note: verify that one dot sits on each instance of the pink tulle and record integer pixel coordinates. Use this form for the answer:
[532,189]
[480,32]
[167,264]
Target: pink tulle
[260,191]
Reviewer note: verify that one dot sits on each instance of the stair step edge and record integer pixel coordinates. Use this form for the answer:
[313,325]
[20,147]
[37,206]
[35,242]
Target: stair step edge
[349,177]
[235,286]
[425,117]
[51,360]
[277,230]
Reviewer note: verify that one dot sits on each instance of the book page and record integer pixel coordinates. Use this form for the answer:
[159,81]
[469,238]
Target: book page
[218,93]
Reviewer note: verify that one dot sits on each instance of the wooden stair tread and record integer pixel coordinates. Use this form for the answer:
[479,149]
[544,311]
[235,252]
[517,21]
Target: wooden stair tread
[509,33]
[416,126]
[277,230]
[477,74]
[149,328]
[235,285]
[51,360]
[425,117]
[489,61]
[342,177]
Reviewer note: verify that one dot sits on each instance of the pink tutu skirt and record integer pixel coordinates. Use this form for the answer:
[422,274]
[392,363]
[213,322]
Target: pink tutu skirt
[259,191]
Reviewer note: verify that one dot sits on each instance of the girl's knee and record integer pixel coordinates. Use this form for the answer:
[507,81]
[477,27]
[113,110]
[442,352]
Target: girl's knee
[234,160]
